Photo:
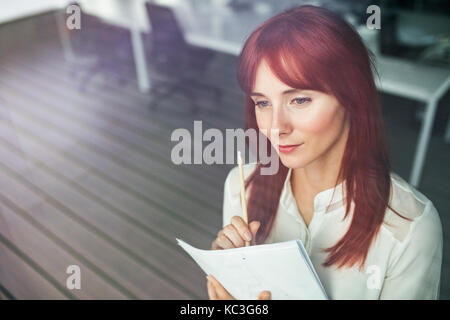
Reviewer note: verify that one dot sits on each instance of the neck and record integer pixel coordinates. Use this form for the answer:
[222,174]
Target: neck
[315,178]
[320,175]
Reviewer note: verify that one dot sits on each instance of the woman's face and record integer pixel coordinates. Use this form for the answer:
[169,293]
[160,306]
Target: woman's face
[312,120]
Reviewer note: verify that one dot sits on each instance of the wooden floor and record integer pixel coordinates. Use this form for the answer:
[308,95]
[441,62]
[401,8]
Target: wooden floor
[86,177]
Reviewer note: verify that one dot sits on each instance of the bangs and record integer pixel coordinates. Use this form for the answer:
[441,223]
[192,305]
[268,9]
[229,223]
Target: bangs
[288,58]
[291,69]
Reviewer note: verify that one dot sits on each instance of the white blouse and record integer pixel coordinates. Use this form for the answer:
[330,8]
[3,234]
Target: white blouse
[404,261]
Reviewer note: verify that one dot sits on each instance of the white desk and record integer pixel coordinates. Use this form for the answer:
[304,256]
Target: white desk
[221,29]
[17,9]
[420,82]
[213,26]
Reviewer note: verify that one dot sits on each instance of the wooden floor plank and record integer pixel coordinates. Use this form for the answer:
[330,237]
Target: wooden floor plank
[90,117]
[32,150]
[27,120]
[21,279]
[137,279]
[133,242]
[168,114]
[113,198]
[33,243]
[158,172]
[167,158]
[5,294]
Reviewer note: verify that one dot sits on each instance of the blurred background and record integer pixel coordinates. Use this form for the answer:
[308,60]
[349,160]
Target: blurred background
[86,117]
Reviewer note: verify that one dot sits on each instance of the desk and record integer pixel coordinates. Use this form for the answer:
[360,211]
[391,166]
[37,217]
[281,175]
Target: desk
[217,27]
[420,82]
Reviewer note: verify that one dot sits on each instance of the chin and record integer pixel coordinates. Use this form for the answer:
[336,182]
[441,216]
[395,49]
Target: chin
[292,162]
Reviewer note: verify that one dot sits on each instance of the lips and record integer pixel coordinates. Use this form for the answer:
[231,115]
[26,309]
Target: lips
[288,147]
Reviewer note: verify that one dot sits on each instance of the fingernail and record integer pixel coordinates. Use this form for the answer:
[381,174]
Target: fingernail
[247,236]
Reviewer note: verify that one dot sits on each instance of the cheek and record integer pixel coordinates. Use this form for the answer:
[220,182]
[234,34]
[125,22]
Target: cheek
[324,121]
[263,120]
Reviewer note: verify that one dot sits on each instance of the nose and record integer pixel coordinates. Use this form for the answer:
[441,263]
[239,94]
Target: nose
[280,121]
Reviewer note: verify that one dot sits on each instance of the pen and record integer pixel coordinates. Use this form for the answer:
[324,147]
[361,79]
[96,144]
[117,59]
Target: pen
[243,201]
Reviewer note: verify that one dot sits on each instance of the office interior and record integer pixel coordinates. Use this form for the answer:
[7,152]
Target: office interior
[86,116]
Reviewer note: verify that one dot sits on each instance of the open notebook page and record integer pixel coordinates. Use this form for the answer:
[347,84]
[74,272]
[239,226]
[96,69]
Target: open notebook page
[283,268]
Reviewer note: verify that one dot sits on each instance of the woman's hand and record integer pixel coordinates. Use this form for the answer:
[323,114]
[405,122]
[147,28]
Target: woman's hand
[217,292]
[235,234]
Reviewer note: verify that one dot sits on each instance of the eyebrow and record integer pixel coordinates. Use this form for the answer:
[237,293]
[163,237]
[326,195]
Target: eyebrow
[257,94]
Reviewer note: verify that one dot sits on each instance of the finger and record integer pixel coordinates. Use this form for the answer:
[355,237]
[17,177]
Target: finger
[241,227]
[231,232]
[215,245]
[265,295]
[254,227]
[222,293]
[211,290]
[224,242]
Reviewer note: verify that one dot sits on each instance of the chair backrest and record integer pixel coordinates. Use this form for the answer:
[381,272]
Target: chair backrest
[99,37]
[165,28]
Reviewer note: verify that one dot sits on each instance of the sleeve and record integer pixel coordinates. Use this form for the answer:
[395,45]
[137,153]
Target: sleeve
[416,270]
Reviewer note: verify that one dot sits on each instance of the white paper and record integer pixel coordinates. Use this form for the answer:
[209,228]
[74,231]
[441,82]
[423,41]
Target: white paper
[283,268]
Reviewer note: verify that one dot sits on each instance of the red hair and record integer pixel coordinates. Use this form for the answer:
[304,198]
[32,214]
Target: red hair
[313,48]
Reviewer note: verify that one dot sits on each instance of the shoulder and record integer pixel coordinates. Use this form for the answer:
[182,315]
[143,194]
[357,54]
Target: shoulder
[424,223]
[232,182]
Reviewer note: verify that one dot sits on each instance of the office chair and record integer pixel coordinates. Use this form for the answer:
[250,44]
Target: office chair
[100,48]
[184,66]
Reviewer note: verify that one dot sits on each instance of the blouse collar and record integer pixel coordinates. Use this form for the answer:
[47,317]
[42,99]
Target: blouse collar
[321,200]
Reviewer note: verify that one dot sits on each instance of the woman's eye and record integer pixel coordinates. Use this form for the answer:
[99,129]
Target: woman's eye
[262,104]
[299,101]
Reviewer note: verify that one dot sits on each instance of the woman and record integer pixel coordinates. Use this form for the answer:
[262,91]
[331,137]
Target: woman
[369,234]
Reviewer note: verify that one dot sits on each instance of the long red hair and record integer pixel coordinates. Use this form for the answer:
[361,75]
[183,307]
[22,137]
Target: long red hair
[313,48]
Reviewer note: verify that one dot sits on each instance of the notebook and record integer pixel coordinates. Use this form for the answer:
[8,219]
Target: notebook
[283,268]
